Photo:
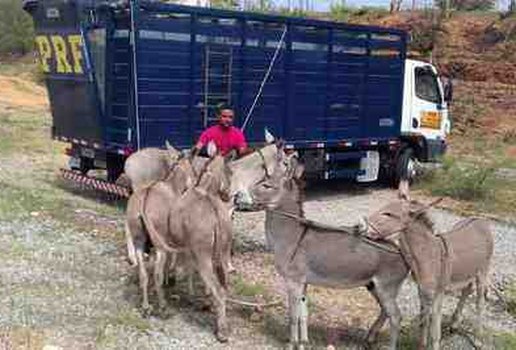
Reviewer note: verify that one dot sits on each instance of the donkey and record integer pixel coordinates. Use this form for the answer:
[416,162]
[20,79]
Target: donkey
[161,197]
[148,165]
[455,260]
[310,253]
[198,225]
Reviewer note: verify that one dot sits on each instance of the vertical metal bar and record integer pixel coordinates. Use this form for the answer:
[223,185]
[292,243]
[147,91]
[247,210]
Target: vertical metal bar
[329,84]
[230,74]
[243,25]
[191,108]
[206,83]
[365,86]
[288,82]
[133,39]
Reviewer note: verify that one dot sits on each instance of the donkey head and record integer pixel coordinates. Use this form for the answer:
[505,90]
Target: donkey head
[215,178]
[283,183]
[252,169]
[396,216]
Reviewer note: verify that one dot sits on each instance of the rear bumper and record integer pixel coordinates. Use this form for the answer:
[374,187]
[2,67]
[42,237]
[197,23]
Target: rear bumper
[435,149]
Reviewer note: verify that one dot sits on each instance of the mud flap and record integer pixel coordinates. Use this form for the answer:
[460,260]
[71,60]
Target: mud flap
[369,167]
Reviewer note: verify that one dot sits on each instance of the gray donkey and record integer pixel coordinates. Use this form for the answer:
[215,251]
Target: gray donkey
[198,225]
[310,253]
[455,260]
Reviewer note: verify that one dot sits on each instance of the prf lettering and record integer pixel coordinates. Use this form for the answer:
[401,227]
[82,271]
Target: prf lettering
[60,54]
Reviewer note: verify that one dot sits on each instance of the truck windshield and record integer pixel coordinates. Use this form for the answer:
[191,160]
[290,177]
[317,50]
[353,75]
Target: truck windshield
[427,87]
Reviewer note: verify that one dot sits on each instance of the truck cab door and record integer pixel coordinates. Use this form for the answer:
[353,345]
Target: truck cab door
[429,111]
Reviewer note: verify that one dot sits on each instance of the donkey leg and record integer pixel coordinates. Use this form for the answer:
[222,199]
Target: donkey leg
[303,321]
[387,298]
[207,272]
[159,277]
[131,251]
[170,267]
[480,299]
[295,294]
[457,314]
[380,320]
[426,301]
[435,330]
[144,282]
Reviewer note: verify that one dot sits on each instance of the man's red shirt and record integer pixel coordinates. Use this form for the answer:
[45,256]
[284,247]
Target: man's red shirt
[226,139]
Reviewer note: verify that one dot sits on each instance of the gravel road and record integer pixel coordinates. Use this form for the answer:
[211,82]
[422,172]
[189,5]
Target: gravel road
[74,290]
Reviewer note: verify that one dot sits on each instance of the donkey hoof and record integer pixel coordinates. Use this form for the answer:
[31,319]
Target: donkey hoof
[163,312]
[222,334]
[146,311]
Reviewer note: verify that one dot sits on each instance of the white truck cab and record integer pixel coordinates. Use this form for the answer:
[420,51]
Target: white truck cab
[425,121]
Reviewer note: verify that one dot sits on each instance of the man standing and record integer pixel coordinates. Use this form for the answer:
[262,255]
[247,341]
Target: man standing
[226,137]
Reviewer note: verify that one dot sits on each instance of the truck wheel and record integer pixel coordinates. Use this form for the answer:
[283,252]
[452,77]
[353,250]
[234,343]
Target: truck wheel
[85,165]
[114,166]
[405,166]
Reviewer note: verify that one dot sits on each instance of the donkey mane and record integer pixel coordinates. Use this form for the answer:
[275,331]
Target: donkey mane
[424,218]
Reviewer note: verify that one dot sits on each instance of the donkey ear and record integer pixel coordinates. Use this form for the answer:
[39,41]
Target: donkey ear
[169,146]
[212,149]
[269,137]
[404,190]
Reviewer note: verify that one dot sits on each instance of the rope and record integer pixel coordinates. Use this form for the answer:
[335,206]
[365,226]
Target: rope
[332,229]
[135,74]
[265,78]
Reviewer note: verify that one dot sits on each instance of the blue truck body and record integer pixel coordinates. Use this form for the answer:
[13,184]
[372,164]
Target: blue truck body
[149,72]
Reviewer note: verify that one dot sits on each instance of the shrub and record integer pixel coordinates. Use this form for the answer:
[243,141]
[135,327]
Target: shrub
[465,181]
[16,29]
[340,13]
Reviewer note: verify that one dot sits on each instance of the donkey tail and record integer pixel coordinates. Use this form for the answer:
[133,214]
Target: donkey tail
[155,237]
[218,256]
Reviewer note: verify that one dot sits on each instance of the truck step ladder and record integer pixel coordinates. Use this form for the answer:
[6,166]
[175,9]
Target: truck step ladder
[218,69]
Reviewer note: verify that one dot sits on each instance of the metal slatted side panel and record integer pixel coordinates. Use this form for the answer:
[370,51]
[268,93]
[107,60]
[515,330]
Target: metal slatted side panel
[118,119]
[329,82]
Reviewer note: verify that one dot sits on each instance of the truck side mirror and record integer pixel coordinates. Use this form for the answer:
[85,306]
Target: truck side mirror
[448,91]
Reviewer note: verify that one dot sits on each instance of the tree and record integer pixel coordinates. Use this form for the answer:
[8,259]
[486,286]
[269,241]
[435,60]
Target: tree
[395,5]
[467,5]
[16,29]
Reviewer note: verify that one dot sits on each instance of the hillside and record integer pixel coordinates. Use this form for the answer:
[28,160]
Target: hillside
[479,52]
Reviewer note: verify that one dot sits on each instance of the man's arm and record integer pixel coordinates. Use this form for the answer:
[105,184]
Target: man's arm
[241,144]
[203,140]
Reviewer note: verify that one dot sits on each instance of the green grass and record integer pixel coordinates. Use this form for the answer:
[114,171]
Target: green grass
[510,296]
[470,176]
[126,319]
[247,289]
[504,341]
[29,164]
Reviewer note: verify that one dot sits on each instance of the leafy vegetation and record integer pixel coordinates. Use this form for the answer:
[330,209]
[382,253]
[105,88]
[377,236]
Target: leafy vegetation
[16,29]
[463,181]
[247,289]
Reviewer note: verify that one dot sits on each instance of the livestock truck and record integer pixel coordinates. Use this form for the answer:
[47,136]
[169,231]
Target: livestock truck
[124,75]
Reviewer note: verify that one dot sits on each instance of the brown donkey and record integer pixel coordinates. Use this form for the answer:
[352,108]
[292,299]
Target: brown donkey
[198,225]
[160,198]
[455,260]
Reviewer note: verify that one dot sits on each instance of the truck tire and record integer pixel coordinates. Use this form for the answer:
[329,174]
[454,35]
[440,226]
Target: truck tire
[86,165]
[114,166]
[405,166]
